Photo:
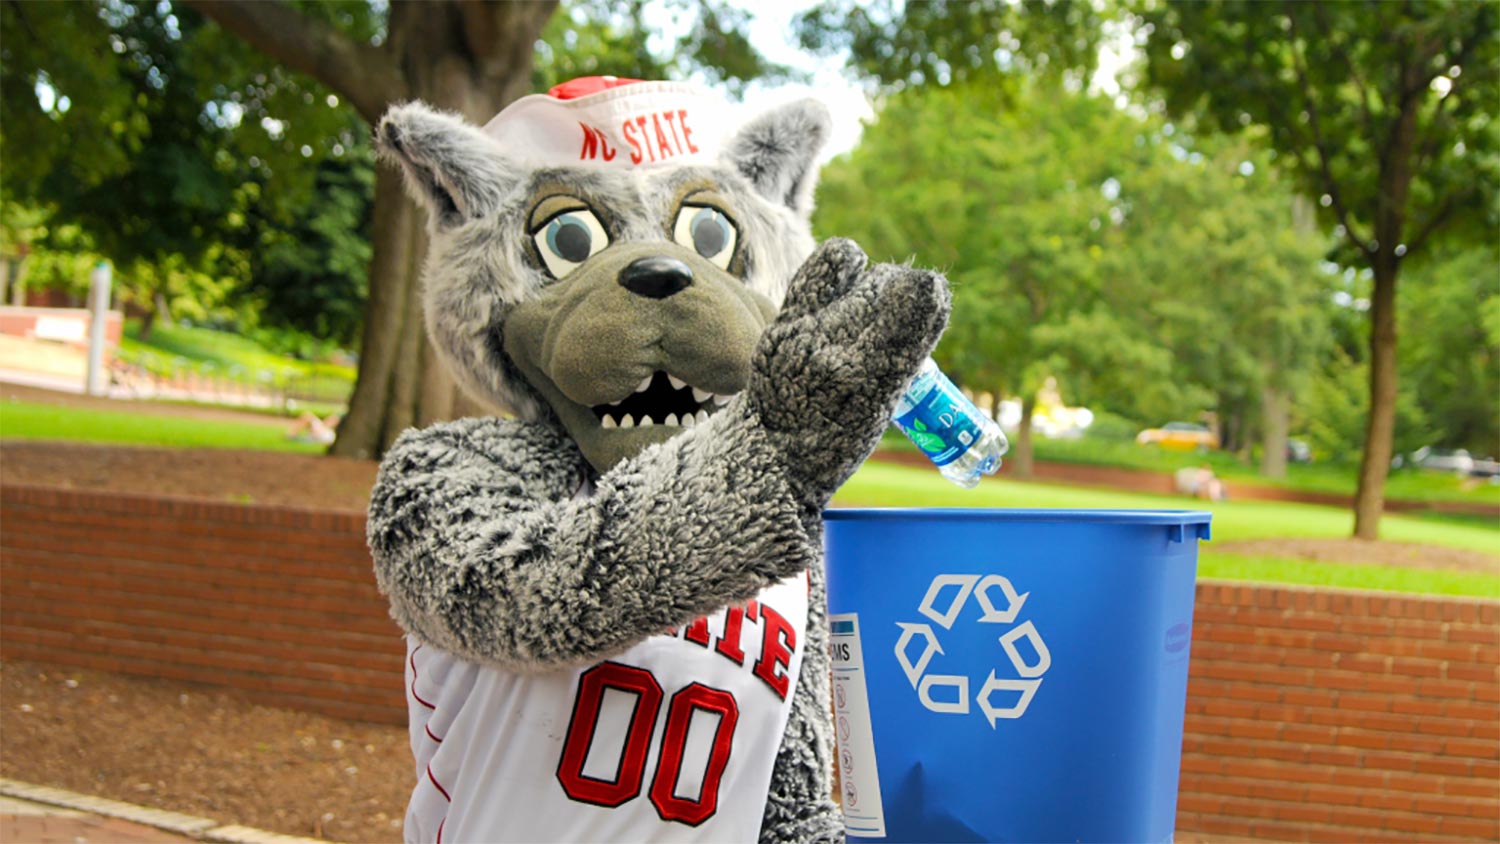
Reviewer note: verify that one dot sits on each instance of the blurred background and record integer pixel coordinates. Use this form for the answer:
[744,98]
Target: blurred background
[1257,240]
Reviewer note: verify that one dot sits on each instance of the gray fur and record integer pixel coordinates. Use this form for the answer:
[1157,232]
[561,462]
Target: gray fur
[477,536]
[775,152]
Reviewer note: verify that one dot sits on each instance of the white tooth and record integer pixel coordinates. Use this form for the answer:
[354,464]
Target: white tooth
[670,420]
[677,383]
[701,396]
[645,382]
[721,400]
[689,420]
[702,416]
[607,422]
[646,422]
[627,422]
[615,403]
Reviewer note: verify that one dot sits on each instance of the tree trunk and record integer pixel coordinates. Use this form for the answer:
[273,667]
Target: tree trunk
[1380,428]
[156,307]
[1023,459]
[395,235]
[468,57]
[1275,409]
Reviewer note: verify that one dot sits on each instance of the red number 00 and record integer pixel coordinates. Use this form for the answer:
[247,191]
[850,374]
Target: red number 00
[629,775]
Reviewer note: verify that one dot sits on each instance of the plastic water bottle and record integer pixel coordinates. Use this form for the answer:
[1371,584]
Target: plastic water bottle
[954,434]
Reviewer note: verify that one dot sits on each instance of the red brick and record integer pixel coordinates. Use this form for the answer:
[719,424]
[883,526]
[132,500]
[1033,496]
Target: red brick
[1471,748]
[1309,697]
[1390,761]
[1444,766]
[1198,803]
[1472,672]
[1418,706]
[1357,778]
[1224,826]
[1441,805]
[1473,633]
[1412,743]
[1387,800]
[1421,824]
[1464,787]
[1301,813]
[1446,689]
[1484,828]
[1308,733]
[1471,711]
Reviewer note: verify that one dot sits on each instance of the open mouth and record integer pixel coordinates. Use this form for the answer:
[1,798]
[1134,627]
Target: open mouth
[660,399]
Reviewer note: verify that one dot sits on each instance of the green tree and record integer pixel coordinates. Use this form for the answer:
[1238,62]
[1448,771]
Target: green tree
[1382,110]
[1452,353]
[308,273]
[161,193]
[1003,192]
[472,58]
[1209,255]
[943,42]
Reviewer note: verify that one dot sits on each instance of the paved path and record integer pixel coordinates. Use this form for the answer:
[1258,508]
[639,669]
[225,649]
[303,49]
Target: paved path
[25,822]
[33,814]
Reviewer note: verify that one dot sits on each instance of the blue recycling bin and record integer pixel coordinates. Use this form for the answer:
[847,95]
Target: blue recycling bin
[1010,675]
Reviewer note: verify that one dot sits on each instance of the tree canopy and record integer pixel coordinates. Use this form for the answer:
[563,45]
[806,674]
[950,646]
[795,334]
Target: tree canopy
[1384,111]
[1090,246]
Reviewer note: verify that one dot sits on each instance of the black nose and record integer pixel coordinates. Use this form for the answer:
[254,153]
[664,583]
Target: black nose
[656,277]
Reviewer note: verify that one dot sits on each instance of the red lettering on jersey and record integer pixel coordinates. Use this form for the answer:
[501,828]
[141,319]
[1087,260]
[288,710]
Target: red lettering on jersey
[778,641]
[729,645]
[628,129]
[697,632]
[580,737]
[687,134]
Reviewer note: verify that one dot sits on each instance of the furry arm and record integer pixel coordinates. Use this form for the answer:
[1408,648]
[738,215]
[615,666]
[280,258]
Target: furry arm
[483,552]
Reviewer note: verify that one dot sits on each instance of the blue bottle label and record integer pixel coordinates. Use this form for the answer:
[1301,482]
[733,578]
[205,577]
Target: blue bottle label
[941,425]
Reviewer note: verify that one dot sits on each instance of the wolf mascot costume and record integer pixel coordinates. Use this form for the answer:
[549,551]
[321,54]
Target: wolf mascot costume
[614,604]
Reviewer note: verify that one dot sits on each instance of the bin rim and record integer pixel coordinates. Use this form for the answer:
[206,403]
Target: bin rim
[1022,514]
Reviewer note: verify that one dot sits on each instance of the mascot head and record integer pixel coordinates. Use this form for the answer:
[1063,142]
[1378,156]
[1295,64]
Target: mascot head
[607,255]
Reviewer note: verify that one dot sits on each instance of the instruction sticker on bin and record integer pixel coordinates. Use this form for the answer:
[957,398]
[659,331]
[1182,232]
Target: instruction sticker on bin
[860,781]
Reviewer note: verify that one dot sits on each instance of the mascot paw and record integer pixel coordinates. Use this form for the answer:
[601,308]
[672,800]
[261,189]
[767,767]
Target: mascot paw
[828,371]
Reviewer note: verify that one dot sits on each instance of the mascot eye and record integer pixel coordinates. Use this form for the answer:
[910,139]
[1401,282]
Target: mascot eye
[568,240]
[706,231]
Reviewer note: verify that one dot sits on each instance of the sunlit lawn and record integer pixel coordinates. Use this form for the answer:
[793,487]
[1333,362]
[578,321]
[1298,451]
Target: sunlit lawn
[886,485]
[173,348]
[1325,477]
[32,421]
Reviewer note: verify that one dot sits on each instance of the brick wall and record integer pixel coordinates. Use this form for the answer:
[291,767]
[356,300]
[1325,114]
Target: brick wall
[1313,714]
[277,602]
[1335,715]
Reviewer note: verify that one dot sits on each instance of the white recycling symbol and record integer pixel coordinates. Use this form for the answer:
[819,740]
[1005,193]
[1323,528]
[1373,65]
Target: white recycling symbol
[949,693]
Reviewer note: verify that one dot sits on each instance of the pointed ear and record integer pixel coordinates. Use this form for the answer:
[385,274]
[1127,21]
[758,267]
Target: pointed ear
[777,151]
[451,168]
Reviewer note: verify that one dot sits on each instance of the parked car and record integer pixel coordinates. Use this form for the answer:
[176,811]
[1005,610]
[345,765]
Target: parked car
[1455,460]
[1487,467]
[1179,436]
[1298,451]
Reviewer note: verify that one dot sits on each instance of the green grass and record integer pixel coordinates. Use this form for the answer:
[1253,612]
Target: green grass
[886,485]
[31,421]
[222,353]
[1335,478]
[1332,478]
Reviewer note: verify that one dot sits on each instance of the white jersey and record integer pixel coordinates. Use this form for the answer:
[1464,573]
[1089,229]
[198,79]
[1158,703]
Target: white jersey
[671,741]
